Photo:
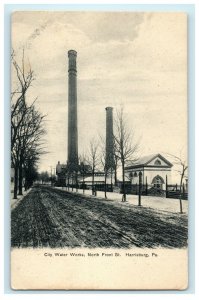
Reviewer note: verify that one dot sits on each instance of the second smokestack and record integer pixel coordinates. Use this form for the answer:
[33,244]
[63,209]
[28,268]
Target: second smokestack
[109,139]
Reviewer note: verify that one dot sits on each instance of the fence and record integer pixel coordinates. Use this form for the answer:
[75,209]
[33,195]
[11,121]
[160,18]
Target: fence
[170,191]
[173,191]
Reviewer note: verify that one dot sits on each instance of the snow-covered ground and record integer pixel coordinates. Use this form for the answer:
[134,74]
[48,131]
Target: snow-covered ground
[49,217]
[15,202]
[159,203]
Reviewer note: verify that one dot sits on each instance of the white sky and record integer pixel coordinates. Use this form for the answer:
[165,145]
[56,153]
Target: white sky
[138,59]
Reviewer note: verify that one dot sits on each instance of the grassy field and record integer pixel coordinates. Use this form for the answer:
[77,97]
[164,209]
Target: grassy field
[48,217]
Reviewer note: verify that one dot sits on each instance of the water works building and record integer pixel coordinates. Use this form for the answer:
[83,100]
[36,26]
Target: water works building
[154,169]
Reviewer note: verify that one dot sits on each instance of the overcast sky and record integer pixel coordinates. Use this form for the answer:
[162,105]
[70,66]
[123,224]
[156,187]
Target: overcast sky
[135,59]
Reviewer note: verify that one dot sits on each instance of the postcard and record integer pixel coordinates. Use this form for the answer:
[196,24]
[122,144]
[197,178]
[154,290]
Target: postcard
[99,167]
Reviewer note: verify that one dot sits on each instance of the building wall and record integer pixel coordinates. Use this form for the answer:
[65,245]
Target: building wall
[150,174]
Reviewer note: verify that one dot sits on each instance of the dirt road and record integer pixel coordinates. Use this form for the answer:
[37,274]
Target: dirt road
[47,217]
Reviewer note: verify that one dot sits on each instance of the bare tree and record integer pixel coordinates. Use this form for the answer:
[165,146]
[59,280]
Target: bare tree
[30,159]
[182,168]
[126,146]
[103,162]
[26,125]
[44,177]
[24,78]
[72,175]
[83,169]
[116,163]
[31,139]
[68,175]
[107,161]
[30,170]
[93,159]
[28,145]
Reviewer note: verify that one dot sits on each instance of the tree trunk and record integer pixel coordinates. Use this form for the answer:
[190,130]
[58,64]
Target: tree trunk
[93,174]
[25,185]
[76,182]
[20,178]
[115,175]
[16,182]
[140,189]
[166,187]
[83,184]
[68,182]
[105,187]
[181,211]
[111,179]
[123,183]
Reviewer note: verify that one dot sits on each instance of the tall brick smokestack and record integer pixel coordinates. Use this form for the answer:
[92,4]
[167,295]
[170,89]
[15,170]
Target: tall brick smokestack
[72,109]
[109,138]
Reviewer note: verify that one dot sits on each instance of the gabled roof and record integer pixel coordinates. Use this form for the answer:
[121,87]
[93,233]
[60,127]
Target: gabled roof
[145,160]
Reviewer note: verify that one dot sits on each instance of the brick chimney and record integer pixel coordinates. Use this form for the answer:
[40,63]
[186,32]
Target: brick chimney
[72,110]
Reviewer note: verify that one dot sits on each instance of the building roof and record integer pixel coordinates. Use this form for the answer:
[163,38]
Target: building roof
[96,179]
[101,179]
[145,160]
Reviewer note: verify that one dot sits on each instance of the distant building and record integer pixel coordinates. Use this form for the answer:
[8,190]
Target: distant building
[61,173]
[84,174]
[154,169]
[88,180]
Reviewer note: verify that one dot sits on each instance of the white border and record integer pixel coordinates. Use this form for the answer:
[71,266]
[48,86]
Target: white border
[100,295]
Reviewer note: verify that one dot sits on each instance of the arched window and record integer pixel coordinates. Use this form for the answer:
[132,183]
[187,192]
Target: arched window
[135,174]
[157,162]
[157,182]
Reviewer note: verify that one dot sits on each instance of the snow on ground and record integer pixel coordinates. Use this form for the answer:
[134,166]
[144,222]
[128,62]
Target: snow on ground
[15,202]
[49,217]
[159,203]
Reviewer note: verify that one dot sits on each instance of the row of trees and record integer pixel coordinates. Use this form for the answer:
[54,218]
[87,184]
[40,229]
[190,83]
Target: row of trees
[27,127]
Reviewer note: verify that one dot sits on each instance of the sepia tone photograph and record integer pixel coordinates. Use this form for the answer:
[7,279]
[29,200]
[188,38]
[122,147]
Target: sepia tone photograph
[99,128]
